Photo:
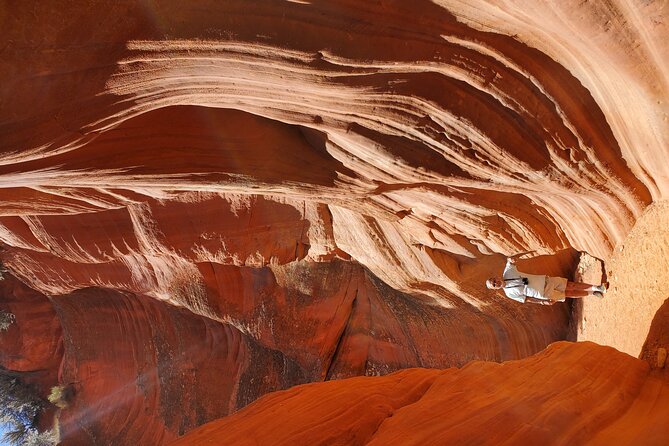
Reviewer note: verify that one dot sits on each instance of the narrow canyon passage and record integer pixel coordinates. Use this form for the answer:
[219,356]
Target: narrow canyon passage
[204,204]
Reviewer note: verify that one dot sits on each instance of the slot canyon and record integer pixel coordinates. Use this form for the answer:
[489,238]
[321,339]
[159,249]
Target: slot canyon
[271,222]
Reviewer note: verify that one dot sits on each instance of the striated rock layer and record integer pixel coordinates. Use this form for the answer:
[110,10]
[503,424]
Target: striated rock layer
[424,126]
[33,344]
[144,372]
[568,394]
[324,185]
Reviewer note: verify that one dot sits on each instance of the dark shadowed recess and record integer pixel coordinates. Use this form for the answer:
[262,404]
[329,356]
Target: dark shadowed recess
[658,340]
[204,145]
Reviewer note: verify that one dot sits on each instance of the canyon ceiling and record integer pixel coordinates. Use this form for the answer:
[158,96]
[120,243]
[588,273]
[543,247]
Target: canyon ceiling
[204,202]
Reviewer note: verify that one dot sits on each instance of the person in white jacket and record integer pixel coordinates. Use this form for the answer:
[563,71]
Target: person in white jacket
[540,289]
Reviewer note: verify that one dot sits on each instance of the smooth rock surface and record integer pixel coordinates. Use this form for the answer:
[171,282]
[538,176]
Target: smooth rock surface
[325,185]
[568,394]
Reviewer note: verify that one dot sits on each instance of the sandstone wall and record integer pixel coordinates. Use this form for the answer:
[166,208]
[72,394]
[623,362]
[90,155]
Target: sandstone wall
[568,394]
[436,130]
[327,184]
[143,371]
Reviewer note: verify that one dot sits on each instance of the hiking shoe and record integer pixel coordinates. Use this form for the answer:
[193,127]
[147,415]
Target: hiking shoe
[604,287]
[598,294]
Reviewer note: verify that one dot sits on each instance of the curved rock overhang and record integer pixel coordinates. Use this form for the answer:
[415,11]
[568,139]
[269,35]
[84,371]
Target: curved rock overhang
[348,171]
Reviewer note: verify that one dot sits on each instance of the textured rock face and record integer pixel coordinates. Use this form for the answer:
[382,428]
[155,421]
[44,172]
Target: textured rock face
[568,394]
[144,372]
[322,185]
[411,122]
[33,343]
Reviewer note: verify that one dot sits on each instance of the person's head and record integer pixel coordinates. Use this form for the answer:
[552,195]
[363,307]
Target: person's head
[494,283]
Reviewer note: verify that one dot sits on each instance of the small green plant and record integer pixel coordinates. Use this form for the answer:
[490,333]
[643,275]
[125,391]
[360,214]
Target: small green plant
[60,396]
[6,319]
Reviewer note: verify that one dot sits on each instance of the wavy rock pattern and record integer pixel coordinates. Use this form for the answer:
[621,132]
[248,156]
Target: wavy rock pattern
[33,343]
[472,142]
[568,394]
[144,372]
[330,181]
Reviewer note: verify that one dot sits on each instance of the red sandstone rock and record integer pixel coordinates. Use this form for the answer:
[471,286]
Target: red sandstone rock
[337,320]
[463,133]
[415,152]
[655,348]
[568,394]
[33,343]
[144,372]
[209,156]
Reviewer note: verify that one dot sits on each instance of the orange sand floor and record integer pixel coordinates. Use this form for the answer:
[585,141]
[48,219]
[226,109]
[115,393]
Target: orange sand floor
[638,272]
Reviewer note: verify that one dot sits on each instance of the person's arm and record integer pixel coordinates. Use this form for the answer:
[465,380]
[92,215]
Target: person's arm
[534,300]
[510,268]
[513,258]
